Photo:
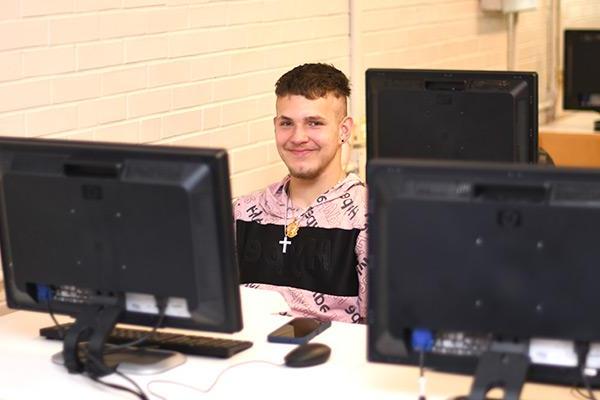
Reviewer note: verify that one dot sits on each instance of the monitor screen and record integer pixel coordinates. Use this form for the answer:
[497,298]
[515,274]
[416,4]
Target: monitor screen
[459,115]
[483,254]
[581,66]
[91,224]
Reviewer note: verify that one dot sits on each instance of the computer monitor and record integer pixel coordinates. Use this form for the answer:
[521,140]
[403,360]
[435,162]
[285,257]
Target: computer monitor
[458,115]
[581,66]
[472,259]
[107,233]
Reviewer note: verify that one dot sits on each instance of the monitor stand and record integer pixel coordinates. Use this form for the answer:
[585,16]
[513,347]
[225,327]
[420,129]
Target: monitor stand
[504,366]
[137,361]
[95,358]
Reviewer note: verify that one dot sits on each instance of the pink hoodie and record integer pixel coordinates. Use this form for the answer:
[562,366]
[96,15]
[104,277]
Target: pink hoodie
[323,271]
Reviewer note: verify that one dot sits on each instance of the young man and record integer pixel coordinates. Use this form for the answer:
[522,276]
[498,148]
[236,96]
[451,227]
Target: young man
[305,236]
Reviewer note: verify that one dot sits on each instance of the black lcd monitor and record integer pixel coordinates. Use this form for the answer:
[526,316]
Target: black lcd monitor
[471,259]
[581,65]
[452,115]
[107,233]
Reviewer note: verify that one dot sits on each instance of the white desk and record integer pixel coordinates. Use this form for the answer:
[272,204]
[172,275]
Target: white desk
[26,371]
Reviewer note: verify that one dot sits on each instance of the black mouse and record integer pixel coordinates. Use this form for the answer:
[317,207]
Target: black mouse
[307,355]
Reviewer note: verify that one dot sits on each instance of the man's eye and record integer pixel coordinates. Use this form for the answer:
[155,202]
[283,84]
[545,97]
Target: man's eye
[315,123]
[285,123]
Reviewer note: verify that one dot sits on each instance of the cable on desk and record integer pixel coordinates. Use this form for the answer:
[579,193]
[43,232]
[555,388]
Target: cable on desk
[61,329]
[579,393]
[582,349]
[210,387]
[44,293]
[422,340]
[139,393]
[422,381]
[161,304]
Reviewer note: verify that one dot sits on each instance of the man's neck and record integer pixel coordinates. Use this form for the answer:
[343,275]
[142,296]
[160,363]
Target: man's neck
[303,192]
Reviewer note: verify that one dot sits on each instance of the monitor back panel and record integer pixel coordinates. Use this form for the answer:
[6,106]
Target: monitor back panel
[509,252]
[479,116]
[86,219]
[582,63]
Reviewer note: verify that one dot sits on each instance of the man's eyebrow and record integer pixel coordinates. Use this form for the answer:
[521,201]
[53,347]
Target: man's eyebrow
[307,118]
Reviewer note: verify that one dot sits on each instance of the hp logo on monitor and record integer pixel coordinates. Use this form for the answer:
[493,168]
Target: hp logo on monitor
[509,218]
[91,192]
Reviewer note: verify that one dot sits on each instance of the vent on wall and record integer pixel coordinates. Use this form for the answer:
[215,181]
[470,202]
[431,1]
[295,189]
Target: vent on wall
[508,6]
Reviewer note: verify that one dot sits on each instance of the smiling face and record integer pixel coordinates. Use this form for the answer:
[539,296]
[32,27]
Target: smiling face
[309,134]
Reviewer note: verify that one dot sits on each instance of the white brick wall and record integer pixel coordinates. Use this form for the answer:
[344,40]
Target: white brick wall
[456,34]
[180,72]
[202,73]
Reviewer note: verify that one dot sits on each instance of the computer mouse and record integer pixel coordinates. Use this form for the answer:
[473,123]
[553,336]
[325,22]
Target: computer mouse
[307,355]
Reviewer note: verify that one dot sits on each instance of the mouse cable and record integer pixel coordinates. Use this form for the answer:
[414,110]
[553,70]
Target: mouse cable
[210,387]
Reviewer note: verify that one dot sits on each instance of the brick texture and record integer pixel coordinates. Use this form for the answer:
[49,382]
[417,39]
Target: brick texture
[200,73]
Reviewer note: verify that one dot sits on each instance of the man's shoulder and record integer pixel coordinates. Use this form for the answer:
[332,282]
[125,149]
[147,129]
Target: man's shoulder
[252,195]
[354,187]
[249,199]
[270,190]
[343,207]
[250,205]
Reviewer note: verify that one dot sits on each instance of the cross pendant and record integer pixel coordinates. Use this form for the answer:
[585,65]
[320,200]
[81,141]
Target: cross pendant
[284,243]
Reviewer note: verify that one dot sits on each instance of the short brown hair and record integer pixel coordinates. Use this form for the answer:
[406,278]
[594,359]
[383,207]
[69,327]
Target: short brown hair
[313,81]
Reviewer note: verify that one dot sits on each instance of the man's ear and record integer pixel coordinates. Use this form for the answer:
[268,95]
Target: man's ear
[346,129]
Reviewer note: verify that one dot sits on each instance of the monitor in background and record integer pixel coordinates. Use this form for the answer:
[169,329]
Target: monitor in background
[468,261]
[459,115]
[111,233]
[581,65]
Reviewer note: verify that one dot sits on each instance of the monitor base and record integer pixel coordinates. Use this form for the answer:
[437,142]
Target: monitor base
[506,370]
[137,361]
[597,125]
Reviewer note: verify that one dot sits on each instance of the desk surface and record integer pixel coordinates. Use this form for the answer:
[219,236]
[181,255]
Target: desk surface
[571,140]
[572,122]
[27,372]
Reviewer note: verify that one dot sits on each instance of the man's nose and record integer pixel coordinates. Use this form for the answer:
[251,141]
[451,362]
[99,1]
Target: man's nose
[299,134]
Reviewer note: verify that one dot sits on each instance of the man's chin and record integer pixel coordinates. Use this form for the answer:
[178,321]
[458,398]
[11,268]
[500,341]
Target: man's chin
[303,174]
